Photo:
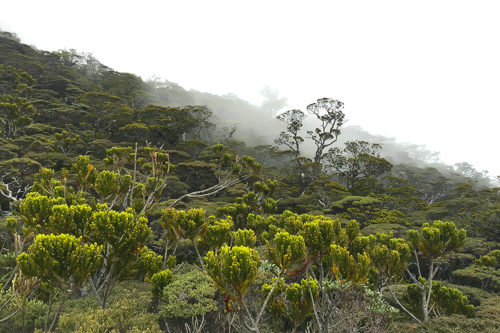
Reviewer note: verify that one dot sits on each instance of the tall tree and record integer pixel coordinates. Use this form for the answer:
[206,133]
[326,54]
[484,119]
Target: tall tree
[330,113]
[291,138]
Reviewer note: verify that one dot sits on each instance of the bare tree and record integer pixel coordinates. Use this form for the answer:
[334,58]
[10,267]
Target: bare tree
[12,190]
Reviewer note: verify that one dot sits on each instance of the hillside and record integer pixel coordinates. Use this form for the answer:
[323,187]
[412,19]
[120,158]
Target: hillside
[140,206]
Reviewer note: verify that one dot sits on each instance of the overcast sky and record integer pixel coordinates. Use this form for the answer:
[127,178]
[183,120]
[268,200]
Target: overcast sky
[425,72]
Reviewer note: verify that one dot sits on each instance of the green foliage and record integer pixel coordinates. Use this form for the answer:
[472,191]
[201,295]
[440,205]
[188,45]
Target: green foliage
[34,314]
[320,234]
[435,242]
[492,260]
[260,224]
[444,300]
[84,171]
[301,296]
[110,184]
[66,142]
[330,113]
[358,161]
[128,313]
[190,294]
[327,191]
[479,276]
[291,139]
[160,280]
[59,104]
[123,233]
[36,210]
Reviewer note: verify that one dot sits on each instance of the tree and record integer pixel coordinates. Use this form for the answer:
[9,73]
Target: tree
[294,301]
[63,263]
[122,235]
[189,225]
[244,237]
[319,235]
[443,300]
[389,257]
[218,232]
[140,176]
[254,202]
[232,270]
[15,114]
[15,82]
[199,121]
[272,102]
[327,191]
[291,138]
[102,108]
[66,142]
[285,252]
[357,160]
[347,269]
[229,169]
[330,113]
[435,242]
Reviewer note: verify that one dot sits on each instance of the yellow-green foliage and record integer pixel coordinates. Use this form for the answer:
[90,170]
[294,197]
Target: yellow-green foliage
[438,239]
[160,280]
[347,269]
[320,234]
[125,233]
[86,173]
[389,257]
[217,232]
[123,236]
[149,262]
[233,269]
[286,250]
[260,224]
[110,183]
[60,259]
[179,223]
[36,210]
[244,237]
[301,297]
[292,301]
[444,300]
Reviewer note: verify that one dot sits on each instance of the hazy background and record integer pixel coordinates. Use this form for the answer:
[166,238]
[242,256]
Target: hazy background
[426,72]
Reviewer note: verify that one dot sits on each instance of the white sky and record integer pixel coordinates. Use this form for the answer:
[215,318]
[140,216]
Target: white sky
[425,72]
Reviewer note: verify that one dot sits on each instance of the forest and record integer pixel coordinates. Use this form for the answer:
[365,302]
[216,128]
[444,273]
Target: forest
[138,206]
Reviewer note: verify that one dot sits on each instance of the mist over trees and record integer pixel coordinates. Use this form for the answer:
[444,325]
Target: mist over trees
[138,206]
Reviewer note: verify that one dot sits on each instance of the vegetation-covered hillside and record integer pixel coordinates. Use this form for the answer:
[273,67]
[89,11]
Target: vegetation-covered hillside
[132,206]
